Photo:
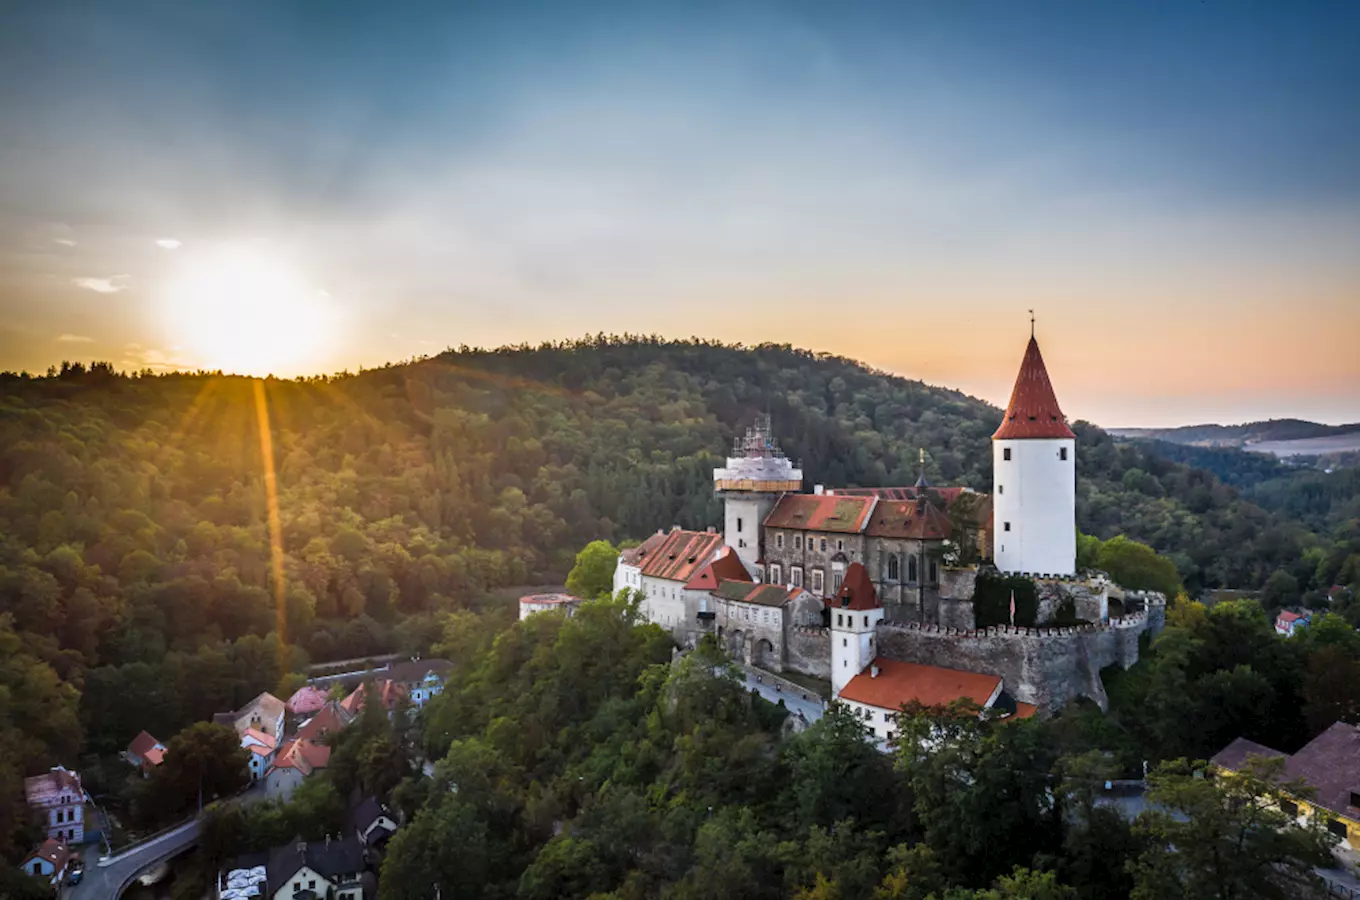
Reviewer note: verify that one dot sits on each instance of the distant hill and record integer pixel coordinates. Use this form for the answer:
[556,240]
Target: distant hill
[1279,437]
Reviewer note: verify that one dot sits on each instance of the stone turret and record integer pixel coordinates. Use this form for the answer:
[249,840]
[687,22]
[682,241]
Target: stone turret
[749,485]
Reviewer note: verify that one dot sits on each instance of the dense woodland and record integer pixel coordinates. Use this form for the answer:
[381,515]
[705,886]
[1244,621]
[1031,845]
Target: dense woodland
[135,553]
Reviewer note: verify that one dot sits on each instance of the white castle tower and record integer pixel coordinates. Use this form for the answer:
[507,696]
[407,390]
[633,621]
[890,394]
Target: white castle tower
[756,474]
[855,613]
[1034,480]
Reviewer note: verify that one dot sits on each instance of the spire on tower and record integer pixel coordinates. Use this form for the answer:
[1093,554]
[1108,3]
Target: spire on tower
[1033,411]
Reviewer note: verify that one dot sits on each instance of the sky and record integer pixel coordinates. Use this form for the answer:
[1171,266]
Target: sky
[301,187]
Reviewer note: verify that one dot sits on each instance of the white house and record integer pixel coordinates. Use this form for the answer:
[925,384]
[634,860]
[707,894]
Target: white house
[262,748]
[1288,622]
[423,678]
[58,798]
[1034,478]
[878,693]
[48,862]
[372,823]
[332,869]
[295,761]
[662,567]
[531,604]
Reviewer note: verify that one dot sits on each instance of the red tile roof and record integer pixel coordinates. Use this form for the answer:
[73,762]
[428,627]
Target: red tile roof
[266,739]
[304,756]
[45,789]
[918,519]
[947,495]
[762,594]
[821,512]
[154,757]
[390,691]
[142,743]
[673,555]
[857,591]
[899,683]
[1033,411]
[1023,710]
[1286,616]
[260,751]
[54,851]
[329,720]
[726,567]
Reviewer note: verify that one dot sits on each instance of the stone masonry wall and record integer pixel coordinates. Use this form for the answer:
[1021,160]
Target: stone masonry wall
[807,649]
[1045,666]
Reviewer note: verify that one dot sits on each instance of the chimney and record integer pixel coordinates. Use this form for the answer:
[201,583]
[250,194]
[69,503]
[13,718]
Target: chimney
[674,528]
[328,842]
[710,530]
[302,847]
[873,671]
[819,489]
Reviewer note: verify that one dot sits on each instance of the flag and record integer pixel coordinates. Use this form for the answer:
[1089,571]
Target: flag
[1012,609]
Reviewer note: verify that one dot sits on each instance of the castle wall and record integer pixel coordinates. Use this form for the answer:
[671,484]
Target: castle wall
[808,650]
[1048,667]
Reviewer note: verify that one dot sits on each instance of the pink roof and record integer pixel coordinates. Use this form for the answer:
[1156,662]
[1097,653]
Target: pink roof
[266,739]
[306,700]
[154,757]
[726,567]
[1286,616]
[141,744]
[260,751]
[331,718]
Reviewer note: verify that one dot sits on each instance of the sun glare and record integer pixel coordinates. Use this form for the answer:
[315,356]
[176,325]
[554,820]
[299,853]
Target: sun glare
[248,313]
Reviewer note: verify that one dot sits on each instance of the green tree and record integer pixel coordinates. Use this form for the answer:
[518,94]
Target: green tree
[593,573]
[204,760]
[1138,567]
[1226,837]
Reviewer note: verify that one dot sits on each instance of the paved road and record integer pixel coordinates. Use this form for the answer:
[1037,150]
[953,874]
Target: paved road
[106,882]
[811,709]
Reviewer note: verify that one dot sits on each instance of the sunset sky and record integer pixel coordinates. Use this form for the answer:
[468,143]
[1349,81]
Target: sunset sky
[297,187]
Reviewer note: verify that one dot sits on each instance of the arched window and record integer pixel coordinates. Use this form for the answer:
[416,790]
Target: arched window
[911,569]
[892,567]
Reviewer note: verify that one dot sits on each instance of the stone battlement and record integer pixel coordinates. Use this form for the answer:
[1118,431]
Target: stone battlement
[810,630]
[1132,620]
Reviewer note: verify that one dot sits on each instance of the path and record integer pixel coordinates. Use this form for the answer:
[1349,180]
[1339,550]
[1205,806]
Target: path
[794,702]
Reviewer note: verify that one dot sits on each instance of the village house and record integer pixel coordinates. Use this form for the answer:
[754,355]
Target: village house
[295,761]
[330,719]
[531,604]
[306,701]
[145,752]
[373,824]
[262,747]
[661,568]
[333,868]
[420,678]
[389,692]
[1288,622]
[58,799]
[48,862]
[1329,764]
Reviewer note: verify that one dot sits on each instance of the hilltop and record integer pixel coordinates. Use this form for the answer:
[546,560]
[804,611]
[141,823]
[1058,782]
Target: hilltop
[1280,437]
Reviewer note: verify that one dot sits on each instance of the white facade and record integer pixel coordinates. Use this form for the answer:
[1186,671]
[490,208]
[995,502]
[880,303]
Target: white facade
[342,887]
[852,643]
[742,518]
[1034,502]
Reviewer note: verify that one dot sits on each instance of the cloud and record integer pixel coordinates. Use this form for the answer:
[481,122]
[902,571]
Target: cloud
[74,339]
[65,242]
[111,285]
[169,244]
[138,359]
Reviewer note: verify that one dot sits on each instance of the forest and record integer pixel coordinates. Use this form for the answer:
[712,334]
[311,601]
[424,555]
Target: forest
[137,559]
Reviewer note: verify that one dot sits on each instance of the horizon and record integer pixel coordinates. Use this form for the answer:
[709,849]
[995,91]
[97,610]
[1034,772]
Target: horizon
[270,187]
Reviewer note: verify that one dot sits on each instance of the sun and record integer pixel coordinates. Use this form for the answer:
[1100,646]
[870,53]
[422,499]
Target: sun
[247,312]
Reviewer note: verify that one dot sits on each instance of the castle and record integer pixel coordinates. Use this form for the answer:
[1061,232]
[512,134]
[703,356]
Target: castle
[831,582]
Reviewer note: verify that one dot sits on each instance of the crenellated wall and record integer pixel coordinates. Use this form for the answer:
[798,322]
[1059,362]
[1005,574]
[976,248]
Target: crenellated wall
[808,650]
[1045,666]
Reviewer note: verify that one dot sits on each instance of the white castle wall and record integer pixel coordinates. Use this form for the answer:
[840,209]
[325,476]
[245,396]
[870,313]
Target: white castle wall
[1036,492]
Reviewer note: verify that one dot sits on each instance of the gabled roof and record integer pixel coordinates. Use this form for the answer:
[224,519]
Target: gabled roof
[1285,617]
[45,789]
[1033,411]
[916,519]
[52,850]
[674,555]
[857,591]
[725,567]
[389,692]
[1330,763]
[259,750]
[761,594]
[1235,755]
[141,744]
[946,495]
[821,512]
[330,859]
[306,700]
[302,755]
[154,757]
[260,736]
[329,720]
[269,708]
[412,670]
[899,683]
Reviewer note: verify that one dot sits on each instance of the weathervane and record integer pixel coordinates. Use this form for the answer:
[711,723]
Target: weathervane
[1031,323]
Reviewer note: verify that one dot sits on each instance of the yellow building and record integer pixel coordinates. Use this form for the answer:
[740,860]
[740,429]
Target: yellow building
[1329,763]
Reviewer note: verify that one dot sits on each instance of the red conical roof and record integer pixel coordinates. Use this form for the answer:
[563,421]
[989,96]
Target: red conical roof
[857,591]
[1033,411]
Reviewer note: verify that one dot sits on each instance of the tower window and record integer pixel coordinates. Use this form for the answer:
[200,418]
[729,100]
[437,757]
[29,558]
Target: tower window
[911,569]
[892,567]
[1001,489]
[866,621]
[1008,526]
[845,642]
[1062,453]
[1006,454]
[739,517]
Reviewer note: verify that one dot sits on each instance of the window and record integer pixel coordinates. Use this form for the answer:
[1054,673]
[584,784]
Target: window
[887,717]
[1008,526]
[739,517]
[845,642]
[776,573]
[817,581]
[840,545]
[798,542]
[934,572]
[1062,454]
[892,567]
[1337,827]
[796,575]
[311,885]
[840,619]
[836,579]
[779,540]
[1355,798]
[1001,489]
[823,545]
[1290,808]
[866,621]
[1005,455]
[911,570]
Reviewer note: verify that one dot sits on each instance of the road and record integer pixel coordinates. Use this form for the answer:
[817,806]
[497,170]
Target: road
[794,702]
[107,882]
